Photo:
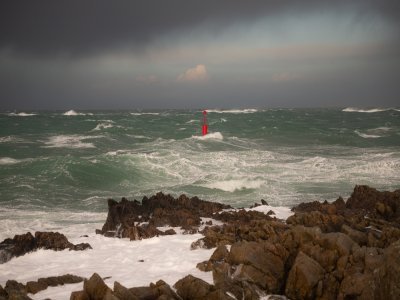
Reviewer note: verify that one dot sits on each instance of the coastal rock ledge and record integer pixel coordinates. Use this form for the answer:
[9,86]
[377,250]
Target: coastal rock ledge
[340,250]
[25,243]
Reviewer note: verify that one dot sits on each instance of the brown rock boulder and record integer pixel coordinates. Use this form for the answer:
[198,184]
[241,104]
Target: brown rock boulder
[158,210]
[389,274]
[304,277]
[22,244]
[122,293]
[192,288]
[263,263]
[17,246]
[95,287]
[378,204]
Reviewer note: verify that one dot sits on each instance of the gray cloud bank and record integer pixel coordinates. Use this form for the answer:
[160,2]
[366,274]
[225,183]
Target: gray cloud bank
[75,27]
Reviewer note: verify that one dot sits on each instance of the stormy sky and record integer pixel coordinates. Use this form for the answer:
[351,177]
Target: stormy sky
[97,54]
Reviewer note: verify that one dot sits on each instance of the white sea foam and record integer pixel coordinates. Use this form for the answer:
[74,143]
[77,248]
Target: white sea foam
[74,113]
[22,114]
[101,126]
[9,161]
[70,141]
[145,113]
[210,136]
[367,136]
[233,111]
[192,121]
[234,184]
[361,110]
[168,258]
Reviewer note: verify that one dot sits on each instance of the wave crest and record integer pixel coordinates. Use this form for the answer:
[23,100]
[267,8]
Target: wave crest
[371,110]
[210,136]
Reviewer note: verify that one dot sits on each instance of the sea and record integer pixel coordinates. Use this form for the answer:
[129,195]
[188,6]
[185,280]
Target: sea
[58,168]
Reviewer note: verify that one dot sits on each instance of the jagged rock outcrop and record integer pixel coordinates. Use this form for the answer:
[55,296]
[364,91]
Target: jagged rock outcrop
[126,218]
[15,290]
[95,289]
[24,243]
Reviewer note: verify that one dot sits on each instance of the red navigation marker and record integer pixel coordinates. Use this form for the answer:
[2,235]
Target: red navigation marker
[204,128]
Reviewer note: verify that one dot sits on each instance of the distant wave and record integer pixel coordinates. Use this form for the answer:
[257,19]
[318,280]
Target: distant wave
[74,113]
[70,141]
[21,114]
[234,185]
[233,111]
[210,136]
[101,126]
[371,110]
[145,113]
[366,136]
[8,161]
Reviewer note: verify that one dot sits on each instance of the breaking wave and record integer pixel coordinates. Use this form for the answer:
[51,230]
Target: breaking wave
[210,136]
[21,114]
[371,110]
[74,113]
[233,111]
[367,136]
[70,141]
[8,161]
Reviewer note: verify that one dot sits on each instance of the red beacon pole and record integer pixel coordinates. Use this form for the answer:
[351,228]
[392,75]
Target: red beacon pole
[204,128]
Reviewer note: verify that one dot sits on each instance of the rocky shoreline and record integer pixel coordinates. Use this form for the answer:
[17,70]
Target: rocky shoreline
[341,250]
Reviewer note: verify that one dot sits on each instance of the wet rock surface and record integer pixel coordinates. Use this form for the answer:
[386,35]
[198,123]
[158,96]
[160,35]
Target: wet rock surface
[340,250]
[16,290]
[25,243]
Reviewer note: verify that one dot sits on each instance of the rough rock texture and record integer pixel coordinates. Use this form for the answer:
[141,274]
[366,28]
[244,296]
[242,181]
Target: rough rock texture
[124,217]
[24,243]
[341,250]
[15,290]
[96,289]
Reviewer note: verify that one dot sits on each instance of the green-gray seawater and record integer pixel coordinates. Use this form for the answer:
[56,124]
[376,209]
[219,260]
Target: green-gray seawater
[52,161]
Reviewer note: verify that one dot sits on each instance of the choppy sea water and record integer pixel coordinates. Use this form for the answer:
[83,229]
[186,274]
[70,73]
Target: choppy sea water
[64,165]
[58,168]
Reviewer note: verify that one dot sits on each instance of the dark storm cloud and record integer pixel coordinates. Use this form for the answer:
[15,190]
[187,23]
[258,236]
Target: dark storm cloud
[48,27]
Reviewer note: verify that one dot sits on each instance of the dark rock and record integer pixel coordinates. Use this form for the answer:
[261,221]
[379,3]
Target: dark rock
[34,287]
[388,277]
[263,263]
[144,293]
[169,232]
[378,204]
[16,290]
[95,287]
[303,278]
[17,246]
[158,210]
[263,202]
[123,293]
[22,244]
[79,295]
[192,288]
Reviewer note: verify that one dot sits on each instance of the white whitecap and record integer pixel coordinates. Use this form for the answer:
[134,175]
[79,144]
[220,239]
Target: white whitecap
[234,185]
[366,136]
[209,136]
[70,141]
[360,110]
[233,111]
[101,126]
[145,113]
[8,161]
[74,113]
[21,114]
